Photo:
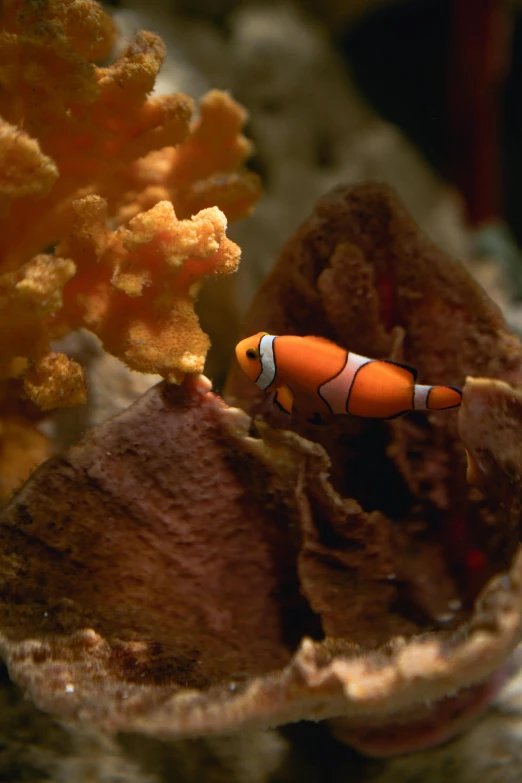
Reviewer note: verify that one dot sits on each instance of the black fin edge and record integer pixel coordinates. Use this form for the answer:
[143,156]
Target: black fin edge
[412,370]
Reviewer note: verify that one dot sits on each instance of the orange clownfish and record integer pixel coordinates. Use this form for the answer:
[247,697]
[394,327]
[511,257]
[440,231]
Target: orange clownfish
[321,378]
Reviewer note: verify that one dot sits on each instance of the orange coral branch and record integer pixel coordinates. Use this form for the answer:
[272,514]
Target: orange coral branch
[201,172]
[89,31]
[97,124]
[26,171]
[92,123]
[30,297]
[80,144]
[135,287]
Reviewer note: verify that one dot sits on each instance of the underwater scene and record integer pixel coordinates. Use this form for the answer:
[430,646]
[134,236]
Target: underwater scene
[261,391]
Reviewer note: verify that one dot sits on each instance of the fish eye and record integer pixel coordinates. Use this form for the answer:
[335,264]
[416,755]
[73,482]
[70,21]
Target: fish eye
[251,353]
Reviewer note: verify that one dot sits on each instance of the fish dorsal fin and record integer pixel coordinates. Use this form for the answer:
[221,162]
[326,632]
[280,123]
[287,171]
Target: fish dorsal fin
[407,367]
[284,399]
[323,340]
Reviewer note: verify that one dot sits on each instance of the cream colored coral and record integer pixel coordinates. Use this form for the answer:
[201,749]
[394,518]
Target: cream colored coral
[72,132]
[24,169]
[135,287]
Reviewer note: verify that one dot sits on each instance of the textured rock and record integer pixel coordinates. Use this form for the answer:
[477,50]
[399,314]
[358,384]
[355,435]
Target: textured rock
[360,273]
[152,577]
[148,519]
[35,747]
[102,689]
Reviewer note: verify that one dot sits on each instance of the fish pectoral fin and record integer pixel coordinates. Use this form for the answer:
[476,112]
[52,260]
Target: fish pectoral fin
[284,399]
[315,419]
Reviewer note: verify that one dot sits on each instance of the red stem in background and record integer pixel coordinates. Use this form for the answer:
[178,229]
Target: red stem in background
[478,62]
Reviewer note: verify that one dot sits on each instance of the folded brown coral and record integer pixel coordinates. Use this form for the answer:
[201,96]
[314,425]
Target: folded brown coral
[171,573]
[185,450]
[360,273]
[150,581]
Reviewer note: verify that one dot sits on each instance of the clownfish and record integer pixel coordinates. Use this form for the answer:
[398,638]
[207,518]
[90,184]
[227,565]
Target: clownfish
[319,378]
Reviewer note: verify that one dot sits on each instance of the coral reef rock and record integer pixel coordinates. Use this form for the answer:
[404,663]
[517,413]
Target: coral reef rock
[153,581]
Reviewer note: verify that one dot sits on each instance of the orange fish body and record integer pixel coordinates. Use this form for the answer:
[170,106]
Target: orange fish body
[318,377]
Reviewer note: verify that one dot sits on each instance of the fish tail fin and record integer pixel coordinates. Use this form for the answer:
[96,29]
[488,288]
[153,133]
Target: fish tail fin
[436,398]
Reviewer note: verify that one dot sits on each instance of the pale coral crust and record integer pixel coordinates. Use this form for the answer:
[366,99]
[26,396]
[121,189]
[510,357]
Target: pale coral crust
[176,544]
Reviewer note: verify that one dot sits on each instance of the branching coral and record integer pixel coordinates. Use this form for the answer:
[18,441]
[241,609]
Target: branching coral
[80,145]
[25,170]
[201,172]
[220,574]
[135,287]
